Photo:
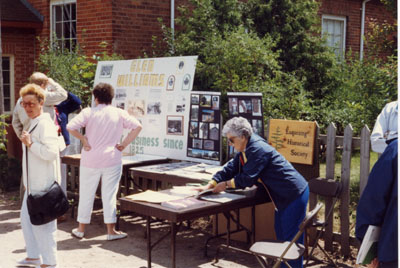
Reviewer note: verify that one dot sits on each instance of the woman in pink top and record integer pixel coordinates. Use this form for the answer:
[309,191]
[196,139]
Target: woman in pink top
[101,156]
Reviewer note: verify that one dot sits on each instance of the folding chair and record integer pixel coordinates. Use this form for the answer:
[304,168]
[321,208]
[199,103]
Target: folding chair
[325,188]
[283,251]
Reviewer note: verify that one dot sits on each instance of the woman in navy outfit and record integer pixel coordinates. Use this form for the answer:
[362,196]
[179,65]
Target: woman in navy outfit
[258,163]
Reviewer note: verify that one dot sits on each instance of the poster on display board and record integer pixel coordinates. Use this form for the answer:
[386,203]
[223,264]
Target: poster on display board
[157,92]
[204,139]
[249,106]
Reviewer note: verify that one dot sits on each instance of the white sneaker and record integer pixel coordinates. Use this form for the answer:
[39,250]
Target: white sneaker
[121,235]
[77,234]
[25,262]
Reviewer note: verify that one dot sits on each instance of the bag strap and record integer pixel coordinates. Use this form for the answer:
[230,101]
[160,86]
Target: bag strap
[26,161]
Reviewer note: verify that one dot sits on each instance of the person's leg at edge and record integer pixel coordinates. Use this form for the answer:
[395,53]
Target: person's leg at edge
[287,223]
[109,189]
[88,181]
[32,251]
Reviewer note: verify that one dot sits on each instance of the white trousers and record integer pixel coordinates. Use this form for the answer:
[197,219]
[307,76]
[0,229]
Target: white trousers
[40,240]
[88,181]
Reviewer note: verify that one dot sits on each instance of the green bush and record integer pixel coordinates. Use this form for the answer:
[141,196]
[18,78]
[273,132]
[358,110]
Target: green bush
[10,168]
[74,70]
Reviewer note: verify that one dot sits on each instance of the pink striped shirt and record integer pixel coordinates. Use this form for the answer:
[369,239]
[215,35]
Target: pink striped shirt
[103,128]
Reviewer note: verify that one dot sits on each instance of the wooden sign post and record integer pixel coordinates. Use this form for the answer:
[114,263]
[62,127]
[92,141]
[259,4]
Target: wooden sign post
[293,139]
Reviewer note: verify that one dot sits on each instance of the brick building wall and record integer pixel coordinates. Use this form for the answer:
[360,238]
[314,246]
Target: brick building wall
[351,9]
[18,43]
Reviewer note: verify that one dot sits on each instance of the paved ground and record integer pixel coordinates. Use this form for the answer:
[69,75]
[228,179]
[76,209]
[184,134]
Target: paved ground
[95,252]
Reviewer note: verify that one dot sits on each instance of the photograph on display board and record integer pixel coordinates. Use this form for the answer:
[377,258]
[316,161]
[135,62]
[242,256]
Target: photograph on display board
[207,115]
[245,106]
[180,103]
[194,113]
[120,104]
[233,106]
[195,99]
[120,94]
[257,127]
[194,130]
[215,102]
[106,71]
[197,144]
[174,125]
[256,107]
[214,131]
[209,145]
[212,155]
[154,108]
[136,108]
[204,130]
[205,100]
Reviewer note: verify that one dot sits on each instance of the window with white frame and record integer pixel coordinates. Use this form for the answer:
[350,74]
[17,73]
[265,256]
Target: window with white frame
[63,23]
[8,83]
[334,32]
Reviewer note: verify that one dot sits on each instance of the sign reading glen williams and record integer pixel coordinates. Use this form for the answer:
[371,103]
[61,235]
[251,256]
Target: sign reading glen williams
[293,139]
[157,92]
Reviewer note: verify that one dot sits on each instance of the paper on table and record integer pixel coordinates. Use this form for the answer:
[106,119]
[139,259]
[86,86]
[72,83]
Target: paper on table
[153,197]
[184,191]
[222,197]
[184,203]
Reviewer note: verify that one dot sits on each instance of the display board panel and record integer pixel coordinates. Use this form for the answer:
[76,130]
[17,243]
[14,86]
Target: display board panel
[157,92]
[204,139]
[249,106]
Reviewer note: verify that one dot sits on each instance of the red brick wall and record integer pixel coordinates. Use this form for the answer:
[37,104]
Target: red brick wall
[135,22]
[351,9]
[20,44]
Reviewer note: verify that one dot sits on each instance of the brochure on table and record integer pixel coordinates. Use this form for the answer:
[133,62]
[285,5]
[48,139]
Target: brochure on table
[249,106]
[157,92]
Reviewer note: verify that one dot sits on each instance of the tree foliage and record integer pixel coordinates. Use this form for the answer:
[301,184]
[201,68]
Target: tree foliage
[274,47]
[74,70]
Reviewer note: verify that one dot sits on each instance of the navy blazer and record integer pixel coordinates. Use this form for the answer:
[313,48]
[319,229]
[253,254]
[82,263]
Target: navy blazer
[71,104]
[284,182]
[378,204]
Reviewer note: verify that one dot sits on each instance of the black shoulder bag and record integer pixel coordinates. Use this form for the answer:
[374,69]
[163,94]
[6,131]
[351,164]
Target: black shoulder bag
[48,207]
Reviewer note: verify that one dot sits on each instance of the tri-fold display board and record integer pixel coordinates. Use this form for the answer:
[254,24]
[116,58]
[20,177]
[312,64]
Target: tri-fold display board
[157,91]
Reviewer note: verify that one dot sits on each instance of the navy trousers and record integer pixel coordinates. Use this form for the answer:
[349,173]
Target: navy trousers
[287,223]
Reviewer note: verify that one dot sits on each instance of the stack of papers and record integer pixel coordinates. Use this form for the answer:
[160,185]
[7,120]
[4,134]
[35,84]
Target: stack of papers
[153,197]
[184,203]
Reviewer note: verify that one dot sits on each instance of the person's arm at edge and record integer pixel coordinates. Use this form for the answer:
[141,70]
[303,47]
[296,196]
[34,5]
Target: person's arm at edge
[56,96]
[16,121]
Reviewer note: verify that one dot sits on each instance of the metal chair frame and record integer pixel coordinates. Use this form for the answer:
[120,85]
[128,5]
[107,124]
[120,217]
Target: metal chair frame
[265,252]
[325,188]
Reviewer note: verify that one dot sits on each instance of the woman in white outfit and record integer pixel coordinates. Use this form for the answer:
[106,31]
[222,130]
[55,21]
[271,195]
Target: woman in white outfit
[41,145]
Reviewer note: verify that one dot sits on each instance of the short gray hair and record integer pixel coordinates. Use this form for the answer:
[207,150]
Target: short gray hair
[237,126]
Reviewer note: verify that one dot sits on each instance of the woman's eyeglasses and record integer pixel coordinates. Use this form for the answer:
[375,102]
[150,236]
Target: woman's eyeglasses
[231,140]
[28,104]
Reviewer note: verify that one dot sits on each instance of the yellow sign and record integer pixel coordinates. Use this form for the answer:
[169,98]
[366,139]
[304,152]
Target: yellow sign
[293,139]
